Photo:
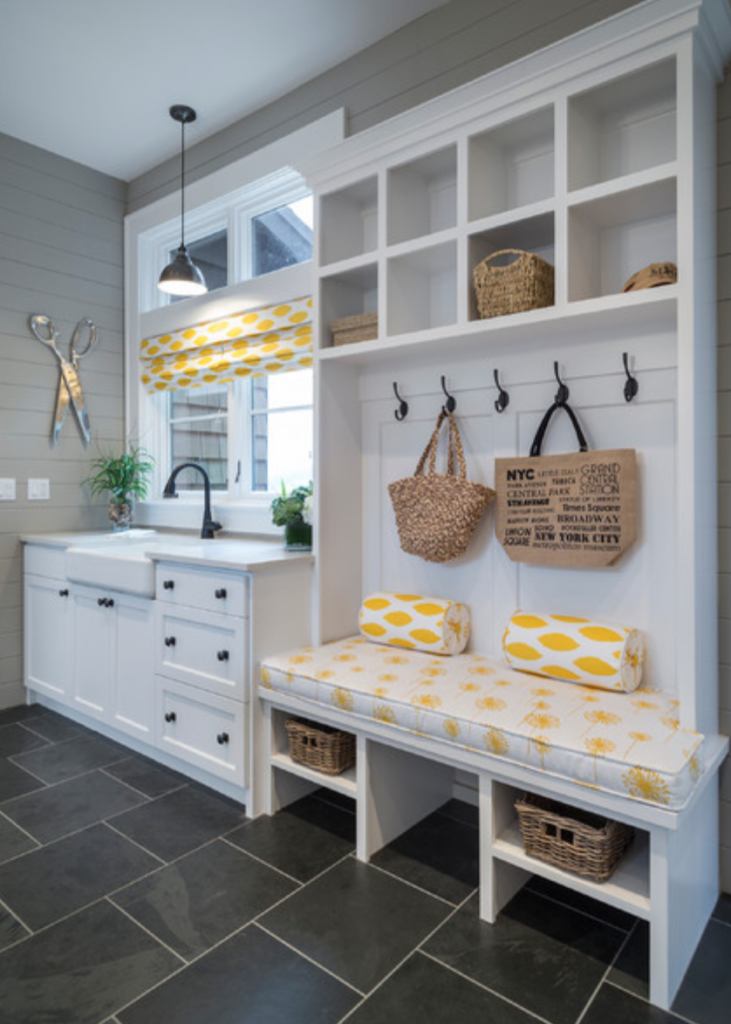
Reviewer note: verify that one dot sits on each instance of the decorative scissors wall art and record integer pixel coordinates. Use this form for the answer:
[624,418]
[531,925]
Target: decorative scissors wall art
[83,340]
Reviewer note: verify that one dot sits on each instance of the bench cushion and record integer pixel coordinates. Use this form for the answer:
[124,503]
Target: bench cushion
[628,744]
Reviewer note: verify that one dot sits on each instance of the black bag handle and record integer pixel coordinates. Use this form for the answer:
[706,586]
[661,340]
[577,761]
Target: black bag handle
[535,448]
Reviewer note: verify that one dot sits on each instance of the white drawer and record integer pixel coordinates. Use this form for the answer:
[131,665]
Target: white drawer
[44,560]
[201,728]
[202,649]
[214,590]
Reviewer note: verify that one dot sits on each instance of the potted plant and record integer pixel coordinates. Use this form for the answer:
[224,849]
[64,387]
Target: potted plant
[294,512]
[124,477]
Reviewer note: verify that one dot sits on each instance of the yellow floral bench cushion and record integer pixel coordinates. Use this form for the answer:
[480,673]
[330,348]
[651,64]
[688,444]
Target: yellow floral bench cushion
[623,743]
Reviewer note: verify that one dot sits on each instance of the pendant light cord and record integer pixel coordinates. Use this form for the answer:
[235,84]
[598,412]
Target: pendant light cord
[182,183]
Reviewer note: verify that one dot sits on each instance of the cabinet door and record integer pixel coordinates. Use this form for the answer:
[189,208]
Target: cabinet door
[132,695]
[202,649]
[92,648]
[201,728]
[47,644]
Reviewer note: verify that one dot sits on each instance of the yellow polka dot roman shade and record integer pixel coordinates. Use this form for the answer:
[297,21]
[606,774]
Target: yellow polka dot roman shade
[271,339]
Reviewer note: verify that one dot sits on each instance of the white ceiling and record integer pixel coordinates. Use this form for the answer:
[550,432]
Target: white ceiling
[92,80]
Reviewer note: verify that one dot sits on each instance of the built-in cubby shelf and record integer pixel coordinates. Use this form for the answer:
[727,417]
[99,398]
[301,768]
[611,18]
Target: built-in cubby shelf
[422,196]
[422,289]
[349,220]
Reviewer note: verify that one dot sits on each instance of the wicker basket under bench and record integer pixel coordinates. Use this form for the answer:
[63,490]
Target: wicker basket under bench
[572,839]
[320,747]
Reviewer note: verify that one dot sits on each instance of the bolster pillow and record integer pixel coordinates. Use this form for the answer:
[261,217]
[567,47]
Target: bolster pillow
[430,624]
[575,649]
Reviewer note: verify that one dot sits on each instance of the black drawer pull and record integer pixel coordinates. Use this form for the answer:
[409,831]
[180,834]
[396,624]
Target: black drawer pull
[170,641]
[168,584]
[222,738]
[63,593]
[109,602]
[100,601]
[221,592]
[170,716]
[222,655]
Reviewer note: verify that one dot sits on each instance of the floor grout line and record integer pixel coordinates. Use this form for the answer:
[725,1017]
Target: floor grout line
[419,888]
[315,963]
[259,860]
[143,928]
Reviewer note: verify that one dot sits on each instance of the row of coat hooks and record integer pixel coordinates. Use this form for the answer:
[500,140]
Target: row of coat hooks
[631,387]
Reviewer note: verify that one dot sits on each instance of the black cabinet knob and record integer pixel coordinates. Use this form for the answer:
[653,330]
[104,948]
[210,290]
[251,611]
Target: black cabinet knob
[63,593]
[101,601]
[168,584]
[170,641]
[222,655]
[222,738]
[221,592]
[110,602]
[170,716]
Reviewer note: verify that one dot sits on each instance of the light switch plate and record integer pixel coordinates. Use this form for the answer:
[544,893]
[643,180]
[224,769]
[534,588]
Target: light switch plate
[7,489]
[39,489]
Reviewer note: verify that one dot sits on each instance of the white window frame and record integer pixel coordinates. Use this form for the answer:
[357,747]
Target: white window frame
[259,182]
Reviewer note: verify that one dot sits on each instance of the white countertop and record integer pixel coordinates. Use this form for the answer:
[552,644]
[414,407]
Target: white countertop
[225,552]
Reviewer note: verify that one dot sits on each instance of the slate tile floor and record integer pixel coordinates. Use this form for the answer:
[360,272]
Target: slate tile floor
[129,895]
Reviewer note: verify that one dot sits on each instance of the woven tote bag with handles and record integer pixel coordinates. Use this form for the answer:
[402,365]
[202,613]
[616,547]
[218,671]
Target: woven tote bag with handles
[436,513]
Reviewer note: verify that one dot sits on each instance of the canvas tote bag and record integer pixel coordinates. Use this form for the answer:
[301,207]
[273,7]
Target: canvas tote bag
[576,510]
[436,513]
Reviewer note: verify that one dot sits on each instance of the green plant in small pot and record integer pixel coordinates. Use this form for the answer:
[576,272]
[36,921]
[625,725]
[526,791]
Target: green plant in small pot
[294,511]
[124,477]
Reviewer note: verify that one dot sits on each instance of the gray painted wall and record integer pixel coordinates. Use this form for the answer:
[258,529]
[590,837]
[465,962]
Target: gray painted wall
[61,253]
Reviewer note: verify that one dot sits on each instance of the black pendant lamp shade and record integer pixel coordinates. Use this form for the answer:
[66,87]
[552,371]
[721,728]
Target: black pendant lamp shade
[182,277]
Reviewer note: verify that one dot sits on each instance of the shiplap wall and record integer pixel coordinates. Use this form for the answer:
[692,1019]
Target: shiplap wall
[61,248]
[447,47]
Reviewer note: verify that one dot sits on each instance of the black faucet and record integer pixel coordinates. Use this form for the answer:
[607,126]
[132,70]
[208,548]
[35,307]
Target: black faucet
[208,530]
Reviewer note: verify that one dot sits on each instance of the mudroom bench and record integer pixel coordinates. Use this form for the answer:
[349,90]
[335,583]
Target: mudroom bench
[428,727]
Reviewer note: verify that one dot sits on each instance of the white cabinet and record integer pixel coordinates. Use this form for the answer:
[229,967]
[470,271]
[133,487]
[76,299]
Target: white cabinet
[47,639]
[112,678]
[201,659]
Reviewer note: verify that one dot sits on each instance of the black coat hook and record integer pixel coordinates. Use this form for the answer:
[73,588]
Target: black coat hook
[503,399]
[562,395]
[451,403]
[403,410]
[631,386]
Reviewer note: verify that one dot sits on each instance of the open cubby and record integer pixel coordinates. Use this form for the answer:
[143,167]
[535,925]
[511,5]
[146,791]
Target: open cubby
[422,289]
[348,294]
[623,126]
[422,196]
[511,165]
[349,222]
[534,234]
[613,237]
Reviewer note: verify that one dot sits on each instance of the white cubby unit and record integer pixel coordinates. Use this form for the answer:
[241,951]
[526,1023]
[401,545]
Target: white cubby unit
[597,153]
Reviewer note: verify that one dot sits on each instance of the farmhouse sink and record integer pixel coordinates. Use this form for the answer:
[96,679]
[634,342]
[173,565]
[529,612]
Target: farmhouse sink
[114,566]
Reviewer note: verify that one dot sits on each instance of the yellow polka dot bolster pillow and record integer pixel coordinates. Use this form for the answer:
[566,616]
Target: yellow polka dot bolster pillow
[430,624]
[575,649]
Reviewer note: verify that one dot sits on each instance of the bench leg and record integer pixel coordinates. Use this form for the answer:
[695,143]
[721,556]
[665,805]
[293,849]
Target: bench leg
[683,892]
[396,789]
[499,881]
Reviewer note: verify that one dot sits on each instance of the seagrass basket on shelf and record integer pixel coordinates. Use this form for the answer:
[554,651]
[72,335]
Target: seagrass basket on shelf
[501,288]
[320,746]
[572,839]
[349,329]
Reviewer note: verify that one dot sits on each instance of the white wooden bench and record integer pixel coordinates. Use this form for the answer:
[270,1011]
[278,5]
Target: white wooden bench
[425,725]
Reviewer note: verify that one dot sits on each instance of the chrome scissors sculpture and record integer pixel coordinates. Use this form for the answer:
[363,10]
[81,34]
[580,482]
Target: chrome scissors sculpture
[69,384]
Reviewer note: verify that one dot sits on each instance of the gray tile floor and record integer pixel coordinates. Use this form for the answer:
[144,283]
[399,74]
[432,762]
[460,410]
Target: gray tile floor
[130,896]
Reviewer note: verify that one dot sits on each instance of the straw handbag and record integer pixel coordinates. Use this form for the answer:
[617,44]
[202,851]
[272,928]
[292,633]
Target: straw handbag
[436,513]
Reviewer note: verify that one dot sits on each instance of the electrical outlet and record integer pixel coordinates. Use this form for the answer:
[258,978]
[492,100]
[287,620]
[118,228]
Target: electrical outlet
[39,490]
[7,489]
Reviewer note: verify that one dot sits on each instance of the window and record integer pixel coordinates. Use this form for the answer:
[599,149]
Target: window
[198,424]
[281,430]
[282,237]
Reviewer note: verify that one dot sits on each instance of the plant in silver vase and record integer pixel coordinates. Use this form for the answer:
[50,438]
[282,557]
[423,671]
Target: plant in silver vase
[125,477]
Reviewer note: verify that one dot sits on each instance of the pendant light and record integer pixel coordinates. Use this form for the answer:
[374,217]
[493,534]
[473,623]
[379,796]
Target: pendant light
[182,277]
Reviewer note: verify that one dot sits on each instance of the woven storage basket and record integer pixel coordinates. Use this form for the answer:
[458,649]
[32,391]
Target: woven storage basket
[652,276]
[319,746]
[525,283]
[354,328]
[571,839]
